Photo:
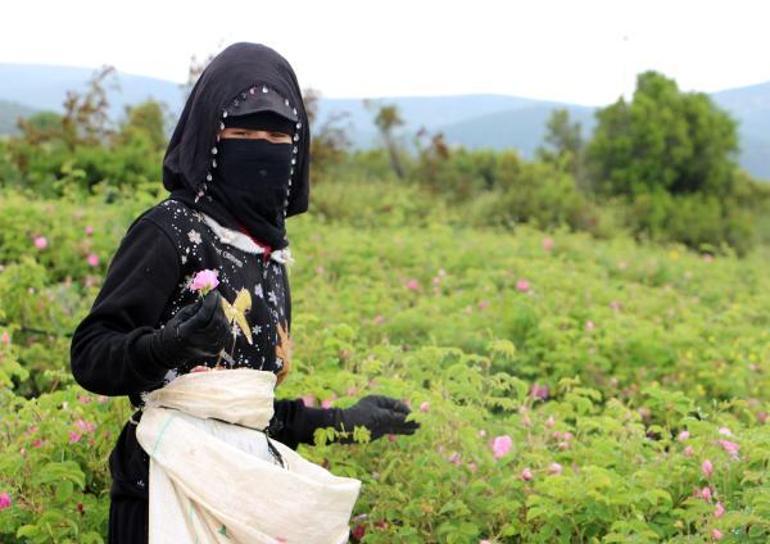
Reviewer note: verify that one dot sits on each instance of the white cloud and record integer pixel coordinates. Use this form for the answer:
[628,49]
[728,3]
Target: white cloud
[585,51]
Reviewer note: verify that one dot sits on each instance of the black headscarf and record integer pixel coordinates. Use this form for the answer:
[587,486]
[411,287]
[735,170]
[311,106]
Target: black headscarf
[226,85]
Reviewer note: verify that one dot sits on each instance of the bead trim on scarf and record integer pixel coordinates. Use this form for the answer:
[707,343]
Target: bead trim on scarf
[234,104]
[244,243]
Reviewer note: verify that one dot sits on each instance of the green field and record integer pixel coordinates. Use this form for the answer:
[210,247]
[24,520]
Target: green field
[633,380]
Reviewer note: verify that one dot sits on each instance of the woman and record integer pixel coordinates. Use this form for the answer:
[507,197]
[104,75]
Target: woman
[237,166]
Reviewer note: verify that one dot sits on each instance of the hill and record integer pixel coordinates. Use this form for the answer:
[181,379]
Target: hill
[484,120]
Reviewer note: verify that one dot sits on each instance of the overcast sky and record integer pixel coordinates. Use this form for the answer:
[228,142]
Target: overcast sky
[581,51]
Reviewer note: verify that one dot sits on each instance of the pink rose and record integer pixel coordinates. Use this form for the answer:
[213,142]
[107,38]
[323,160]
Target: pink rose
[526,475]
[454,458]
[5,500]
[89,230]
[539,391]
[725,431]
[309,400]
[41,242]
[555,469]
[501,445]
[85,426]
[590,325]
[684,435]
[688,451]
[204,281]
[522,286]
[424,406]
[719,510]
[326,403]
[550,422]
[5,338]
[730,447]
[716,534]
[705,494]
[547,244]
[707,468]
[93,259]
[75,437]
[413,285]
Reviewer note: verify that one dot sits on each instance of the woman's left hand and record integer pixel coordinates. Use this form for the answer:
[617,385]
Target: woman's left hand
[380,414]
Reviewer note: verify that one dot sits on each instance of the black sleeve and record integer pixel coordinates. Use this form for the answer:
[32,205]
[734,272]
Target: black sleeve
[294,423]
[105,356]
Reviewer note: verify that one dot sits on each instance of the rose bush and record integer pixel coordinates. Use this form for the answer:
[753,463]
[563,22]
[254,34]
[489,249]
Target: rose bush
[649,425]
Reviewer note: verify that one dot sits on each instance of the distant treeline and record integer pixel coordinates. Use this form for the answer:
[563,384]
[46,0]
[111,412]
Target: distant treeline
[662,165]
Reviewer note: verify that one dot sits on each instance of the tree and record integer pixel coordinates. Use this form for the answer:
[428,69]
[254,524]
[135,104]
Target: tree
[664,139]
[86,115]
[145,120]
[330,141]
[386,120]
[564,145]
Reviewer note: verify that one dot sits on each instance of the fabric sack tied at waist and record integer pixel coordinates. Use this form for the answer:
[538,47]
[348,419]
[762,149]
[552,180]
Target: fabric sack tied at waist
[212,477]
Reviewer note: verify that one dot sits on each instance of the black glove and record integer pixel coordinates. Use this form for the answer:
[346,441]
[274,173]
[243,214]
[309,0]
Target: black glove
[197,331]
[380,414]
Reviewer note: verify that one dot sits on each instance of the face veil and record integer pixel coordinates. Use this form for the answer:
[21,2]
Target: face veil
[243,80]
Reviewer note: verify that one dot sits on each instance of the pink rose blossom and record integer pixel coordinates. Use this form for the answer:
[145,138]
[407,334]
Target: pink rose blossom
[412,285]
[550,422]
[309,400]
[716,534]
[75,437]
[6,338]
[204,281]
[526,475]
[522,286]
[707,468]
[37,443]
[85,426]
[482,433]
[684,435]
[501,445]
[547,244]
[719,510]
[93,259]
[326,403]
[41,242]
[89,230]
[730,447]
[454,458]
[688,451]
[483,305]
[539,391]
[555,469]
[725,431]
[590,325]
[705,494]
[5,500]
[424,406]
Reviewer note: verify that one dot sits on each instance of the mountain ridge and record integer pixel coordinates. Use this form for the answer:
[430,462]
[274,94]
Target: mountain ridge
[474,120]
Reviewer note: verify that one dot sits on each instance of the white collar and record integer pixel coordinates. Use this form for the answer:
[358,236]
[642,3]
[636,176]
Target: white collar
[244,242]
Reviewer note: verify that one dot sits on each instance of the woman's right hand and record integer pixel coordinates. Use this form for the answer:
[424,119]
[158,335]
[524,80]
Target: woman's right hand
[198,330]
